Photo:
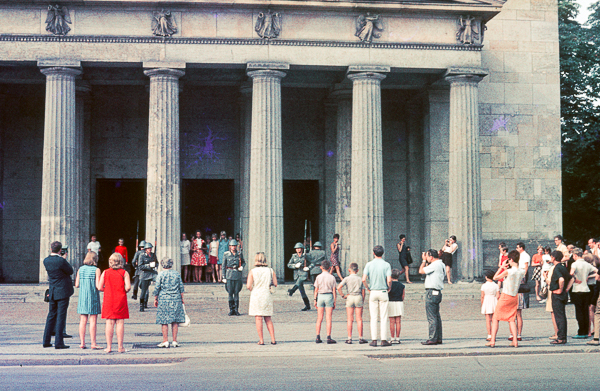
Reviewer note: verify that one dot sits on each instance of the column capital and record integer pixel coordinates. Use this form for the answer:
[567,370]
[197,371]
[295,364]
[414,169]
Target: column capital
[50,71]
[266,73]
[464,75]
[366,76]
[176,73]
[255,66]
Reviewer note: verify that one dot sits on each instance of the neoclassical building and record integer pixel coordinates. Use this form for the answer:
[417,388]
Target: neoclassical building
[275,120]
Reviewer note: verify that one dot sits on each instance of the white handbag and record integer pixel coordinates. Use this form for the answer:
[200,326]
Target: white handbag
[187,318]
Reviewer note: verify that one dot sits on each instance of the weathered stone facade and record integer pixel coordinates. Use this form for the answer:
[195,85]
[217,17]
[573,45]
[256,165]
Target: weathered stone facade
[433,128]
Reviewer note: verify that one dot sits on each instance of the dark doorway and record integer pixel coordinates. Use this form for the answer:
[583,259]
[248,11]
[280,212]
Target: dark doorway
[300,204]
[120,207]
[207,205]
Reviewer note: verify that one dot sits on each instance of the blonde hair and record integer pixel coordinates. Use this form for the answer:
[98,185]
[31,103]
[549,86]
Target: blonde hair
[260,259]
[91,259]
[116,261]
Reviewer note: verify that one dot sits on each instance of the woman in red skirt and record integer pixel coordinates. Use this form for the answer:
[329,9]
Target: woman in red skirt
[198,257]
[115,283]
[506,309]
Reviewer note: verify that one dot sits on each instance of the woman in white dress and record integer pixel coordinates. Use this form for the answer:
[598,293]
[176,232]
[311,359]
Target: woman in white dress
[186,269]
[260,280]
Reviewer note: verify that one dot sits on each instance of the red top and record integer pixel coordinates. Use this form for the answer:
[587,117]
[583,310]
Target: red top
[114,305]
[123,251]
[536,260]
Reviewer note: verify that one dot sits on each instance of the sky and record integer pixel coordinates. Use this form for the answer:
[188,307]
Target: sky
[583,12]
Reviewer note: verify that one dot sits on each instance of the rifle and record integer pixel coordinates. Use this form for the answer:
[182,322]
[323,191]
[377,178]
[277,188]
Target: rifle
[310,233]
[304,237]
[155,239]
[137,232]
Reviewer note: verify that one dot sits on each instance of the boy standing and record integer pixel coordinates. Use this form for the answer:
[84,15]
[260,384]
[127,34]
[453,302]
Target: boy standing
[354,301]
[325,299]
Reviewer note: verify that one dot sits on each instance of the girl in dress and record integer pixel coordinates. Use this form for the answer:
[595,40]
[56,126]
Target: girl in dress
[489,299]
[335,256]
[214,257]
[260,280]
[198,257]
[536,262]
[396,306]
[448,251]
[88,305]
[115,284]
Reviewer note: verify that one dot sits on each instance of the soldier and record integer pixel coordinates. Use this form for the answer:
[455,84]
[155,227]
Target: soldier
[315,257]
[148,266]
[301,267]
[134,264]
[233,264]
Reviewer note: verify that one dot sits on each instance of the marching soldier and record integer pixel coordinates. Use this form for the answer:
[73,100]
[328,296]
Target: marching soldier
[134,264]
[148,266]
[233,264]
[315,257]
[301,266]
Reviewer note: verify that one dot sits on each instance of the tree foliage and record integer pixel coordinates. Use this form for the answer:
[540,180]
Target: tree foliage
[580,106]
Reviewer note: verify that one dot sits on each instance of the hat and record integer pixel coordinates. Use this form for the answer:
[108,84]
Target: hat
[233,242]
[317,244]
[299,245]
[147,245]
[142,243]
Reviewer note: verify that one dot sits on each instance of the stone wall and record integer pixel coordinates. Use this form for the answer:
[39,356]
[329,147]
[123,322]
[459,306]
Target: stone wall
[520,126]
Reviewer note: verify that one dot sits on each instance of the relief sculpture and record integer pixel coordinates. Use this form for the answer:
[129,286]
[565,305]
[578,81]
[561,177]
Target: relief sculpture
[58,20]
[163,24]
[470,31]
[268,25]
[368,27]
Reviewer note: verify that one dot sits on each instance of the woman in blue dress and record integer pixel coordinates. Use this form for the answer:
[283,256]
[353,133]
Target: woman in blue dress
[88,306]
[168,297]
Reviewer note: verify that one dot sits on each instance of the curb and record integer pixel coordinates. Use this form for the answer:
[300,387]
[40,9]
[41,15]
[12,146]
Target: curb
[23,362]
[488,352]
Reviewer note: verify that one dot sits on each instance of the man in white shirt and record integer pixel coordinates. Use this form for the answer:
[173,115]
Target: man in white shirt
[524,262]
[434,271]
[581,295]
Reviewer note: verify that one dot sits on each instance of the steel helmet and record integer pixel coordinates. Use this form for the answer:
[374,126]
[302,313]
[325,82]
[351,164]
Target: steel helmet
[317,244]
[233,242]
[299,245]
[142,244]
[147,245]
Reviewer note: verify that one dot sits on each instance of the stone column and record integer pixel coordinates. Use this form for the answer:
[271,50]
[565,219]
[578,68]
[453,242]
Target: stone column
[163,219]
[59,187]
[343,96]
[3,100]
[245,133]
[414,123]
[78,248]
[265,220]
[367,218]
[464,207]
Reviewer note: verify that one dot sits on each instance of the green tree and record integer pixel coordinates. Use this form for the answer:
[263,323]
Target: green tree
[580,96]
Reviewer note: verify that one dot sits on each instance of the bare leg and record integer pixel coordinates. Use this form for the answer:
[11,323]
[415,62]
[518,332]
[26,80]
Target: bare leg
[93,327]
[349,320]
[200,269]
[449,274]
[398,326]
[392,326]
[195,271]
[184,273]
[108,332]
[83,319]
[215,276]
[271,328]
[320,311]
[328,316]
[359,321]
[406,270]
[537,291]
[339,272]
[165,332]
[121,334]
[519,322]
[554,324]
[513,330]
[219,273]
[488,323]
[174,330]
[259,329]
[494,331]
[592,313]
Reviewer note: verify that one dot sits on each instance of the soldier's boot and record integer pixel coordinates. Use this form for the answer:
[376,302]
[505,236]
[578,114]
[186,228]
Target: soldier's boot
[306,304]
[141,305]
[291,291]
[236,306]
[231,308]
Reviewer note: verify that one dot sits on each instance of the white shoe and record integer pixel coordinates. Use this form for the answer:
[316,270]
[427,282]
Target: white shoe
[175,344]
[163,344]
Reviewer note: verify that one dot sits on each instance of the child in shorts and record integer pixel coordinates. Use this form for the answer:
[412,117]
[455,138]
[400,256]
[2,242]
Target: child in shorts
[396,306]
[354,301]
[325,299]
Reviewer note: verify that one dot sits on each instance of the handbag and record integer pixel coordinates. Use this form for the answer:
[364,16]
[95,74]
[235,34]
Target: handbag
[272,287]
[524,288]
[409,259]
[187,318]
[47,295]
[544,292]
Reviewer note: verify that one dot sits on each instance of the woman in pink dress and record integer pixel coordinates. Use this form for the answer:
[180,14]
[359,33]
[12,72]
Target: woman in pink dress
[115,283]
[198,257]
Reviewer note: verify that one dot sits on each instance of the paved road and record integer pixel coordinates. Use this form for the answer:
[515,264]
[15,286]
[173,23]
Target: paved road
[554,372]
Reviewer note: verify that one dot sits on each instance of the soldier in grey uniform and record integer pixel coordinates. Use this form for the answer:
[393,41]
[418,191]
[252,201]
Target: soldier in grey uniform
[315,257]
[134,264]
[301,266]
[148,266]
[233,264]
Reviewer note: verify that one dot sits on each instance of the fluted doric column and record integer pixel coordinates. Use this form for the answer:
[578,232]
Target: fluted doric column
[82,178]
[245,137]
[163,220]
[414,118]
[367,218]
[464,207]
[59,186]
[265,220]
[343,97]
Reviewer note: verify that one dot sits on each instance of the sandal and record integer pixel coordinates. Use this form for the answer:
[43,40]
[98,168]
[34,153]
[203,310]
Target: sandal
[349,341]
[491,345]
[82,347]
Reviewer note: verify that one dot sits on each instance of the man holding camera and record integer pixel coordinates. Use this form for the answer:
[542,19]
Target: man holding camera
[434,271]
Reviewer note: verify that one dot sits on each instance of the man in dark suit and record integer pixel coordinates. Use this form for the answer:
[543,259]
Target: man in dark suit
[60,290]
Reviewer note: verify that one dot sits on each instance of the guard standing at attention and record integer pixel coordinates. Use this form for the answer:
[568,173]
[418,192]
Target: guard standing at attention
[135,264]
[233,264]
[301,266]
[148,266]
